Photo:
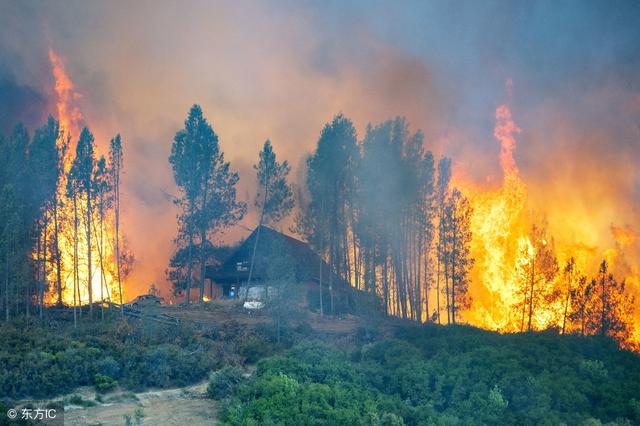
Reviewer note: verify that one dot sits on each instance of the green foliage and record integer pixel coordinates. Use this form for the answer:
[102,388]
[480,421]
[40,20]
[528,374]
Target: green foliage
[39,362]
[222,383]
[208,197]
[104,383]
[76,399]
[437,375]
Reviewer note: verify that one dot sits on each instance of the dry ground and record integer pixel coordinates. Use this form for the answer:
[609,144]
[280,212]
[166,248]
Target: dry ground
[167,407]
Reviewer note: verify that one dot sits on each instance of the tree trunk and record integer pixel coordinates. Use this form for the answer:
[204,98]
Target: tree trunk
[39,274]
[566,303]
[321,268]
[438,273]
[76,284]
[203,240]
[531,293]
[57,251]
[117,236]
[89,264]
[331,272]
[603,321]
[103,281]
[44,268]
[190,257]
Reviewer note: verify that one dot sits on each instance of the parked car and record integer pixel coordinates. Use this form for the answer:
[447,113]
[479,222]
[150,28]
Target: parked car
[146,300]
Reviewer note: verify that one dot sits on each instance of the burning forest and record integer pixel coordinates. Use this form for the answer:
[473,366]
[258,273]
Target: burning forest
[447,178]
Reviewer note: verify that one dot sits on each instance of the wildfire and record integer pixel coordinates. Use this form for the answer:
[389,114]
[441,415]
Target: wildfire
[502,247]
[104,284]
[69,114]
[497,227]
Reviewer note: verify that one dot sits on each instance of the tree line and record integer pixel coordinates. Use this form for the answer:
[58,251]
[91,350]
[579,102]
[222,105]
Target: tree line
[52,200]
[376,211]
[383,214]
[571,299]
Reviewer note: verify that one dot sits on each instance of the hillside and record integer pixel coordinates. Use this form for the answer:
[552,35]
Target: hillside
[323,370]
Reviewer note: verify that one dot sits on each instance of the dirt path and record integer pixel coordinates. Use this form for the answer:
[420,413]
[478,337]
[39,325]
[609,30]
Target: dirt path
[169,407]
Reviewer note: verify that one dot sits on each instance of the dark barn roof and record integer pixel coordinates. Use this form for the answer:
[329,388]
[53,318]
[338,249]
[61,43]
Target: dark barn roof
[236,267]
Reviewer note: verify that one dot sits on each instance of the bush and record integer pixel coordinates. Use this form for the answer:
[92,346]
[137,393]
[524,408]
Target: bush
[223,382]
[104,383]
[444,375]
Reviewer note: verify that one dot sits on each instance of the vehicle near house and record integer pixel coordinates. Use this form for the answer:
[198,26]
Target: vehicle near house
[146,300]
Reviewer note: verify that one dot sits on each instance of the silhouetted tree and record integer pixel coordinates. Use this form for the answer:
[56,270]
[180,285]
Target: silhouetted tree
[84,166]
[330,183]
[115,170]
[581,297]
[457,260]
[442,194]
[274,198]
[208,200]
[537,269]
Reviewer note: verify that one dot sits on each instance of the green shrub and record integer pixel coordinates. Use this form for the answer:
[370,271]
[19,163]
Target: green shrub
[104,383]
[76,399]
[223,382]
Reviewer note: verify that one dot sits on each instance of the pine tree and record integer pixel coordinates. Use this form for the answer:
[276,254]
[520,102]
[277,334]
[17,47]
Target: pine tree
[330,183]
[274,198]
[84,166]
[101,189]
[456,255]
[208,200]
[44,174]
[442,194]
[115,170]
[537,269]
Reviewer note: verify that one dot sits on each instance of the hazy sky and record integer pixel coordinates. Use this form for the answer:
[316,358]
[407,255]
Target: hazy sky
[280,70]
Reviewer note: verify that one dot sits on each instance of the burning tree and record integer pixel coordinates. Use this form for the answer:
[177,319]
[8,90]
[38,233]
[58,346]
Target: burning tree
[537,267]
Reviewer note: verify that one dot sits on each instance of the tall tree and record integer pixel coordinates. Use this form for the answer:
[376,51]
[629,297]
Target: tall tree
[581,298]
[45,172]
[442,194]
[330,183]
[73,191]
[536,270]
[101,189]
[274,198]
[115,171]
[208,200]
[19,212]
[456,255]
[612,308]
[570,273]
[84,166]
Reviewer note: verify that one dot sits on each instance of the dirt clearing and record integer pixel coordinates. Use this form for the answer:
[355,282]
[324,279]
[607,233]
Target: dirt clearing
[169,407]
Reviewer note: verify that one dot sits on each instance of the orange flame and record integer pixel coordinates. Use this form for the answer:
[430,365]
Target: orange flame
[103,283]
[69,114]
[502,248]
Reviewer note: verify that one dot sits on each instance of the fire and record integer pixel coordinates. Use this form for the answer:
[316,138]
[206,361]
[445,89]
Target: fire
[69,114]
[502,246]
[497,227]
[104,283]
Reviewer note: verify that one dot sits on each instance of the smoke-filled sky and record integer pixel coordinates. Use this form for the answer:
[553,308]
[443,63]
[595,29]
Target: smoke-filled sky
[280,70]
